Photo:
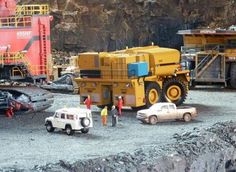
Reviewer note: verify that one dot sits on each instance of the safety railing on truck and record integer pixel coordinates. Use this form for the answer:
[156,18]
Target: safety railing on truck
[11,57]
[7,22]
[29,10]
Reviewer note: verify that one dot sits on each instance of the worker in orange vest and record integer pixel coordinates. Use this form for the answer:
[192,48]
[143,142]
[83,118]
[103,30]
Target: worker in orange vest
[104,116]
[88,102]
[120,105]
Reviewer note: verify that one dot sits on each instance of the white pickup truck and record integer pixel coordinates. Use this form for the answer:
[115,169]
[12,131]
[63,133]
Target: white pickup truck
[166,111]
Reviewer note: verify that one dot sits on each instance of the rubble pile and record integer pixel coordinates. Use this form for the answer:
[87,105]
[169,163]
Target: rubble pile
[211,149]
[61,57]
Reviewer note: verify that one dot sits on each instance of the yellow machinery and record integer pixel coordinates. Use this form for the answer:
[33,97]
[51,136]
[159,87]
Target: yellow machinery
[211,56]
[141,75]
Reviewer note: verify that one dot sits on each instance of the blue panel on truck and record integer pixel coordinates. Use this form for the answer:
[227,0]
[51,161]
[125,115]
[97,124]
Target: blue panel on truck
[138,69]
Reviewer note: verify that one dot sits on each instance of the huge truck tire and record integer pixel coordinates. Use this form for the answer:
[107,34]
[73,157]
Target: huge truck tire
[233,75]
[174,91]
[152,94]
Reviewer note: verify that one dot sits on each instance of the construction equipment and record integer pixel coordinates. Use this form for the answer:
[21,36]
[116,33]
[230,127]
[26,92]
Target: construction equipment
[141,75]
[64,75]
[25,52]
[210,55]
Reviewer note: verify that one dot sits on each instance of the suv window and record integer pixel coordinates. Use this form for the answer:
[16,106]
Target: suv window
[56,115]
[63,116]
[71,117]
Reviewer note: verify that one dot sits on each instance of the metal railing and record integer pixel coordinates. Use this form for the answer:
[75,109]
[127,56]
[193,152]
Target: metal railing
[15,21]
[11,57]
[209,54]
[29,10]
[20,59]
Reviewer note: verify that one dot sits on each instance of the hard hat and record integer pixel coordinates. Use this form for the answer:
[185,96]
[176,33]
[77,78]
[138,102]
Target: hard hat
[113,107]
[119,97]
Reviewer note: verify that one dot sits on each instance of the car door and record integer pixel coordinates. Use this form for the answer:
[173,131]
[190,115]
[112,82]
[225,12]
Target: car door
[55,121]
[59,119]
[172,112]
[163,114]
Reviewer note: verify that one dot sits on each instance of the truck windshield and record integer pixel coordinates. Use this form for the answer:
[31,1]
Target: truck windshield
[155,107]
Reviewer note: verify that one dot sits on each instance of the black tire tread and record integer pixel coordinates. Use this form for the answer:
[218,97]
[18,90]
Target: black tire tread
[183,87]
[150,86]
[52,128]
[72,131]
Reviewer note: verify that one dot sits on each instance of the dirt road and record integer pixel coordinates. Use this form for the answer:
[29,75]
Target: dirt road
[25,143]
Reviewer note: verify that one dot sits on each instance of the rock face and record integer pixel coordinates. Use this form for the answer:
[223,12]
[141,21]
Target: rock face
[101,25]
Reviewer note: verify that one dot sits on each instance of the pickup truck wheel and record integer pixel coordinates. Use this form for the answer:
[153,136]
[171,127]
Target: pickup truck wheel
[175,91]
[69,130]
[84,130]
[187,117]
[153,120]
[49,127]
[152,94]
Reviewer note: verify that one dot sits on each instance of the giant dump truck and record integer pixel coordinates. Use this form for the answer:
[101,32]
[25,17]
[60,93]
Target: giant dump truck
[141,75]
[210,55]
[25,52]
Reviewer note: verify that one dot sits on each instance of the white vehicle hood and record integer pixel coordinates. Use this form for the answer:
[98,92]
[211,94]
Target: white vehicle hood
[146,112]
[49,118]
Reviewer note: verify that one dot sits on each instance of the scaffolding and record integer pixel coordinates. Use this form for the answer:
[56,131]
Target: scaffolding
[29,10]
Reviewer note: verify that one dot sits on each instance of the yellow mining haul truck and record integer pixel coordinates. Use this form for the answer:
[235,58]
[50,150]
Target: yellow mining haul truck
[142,76]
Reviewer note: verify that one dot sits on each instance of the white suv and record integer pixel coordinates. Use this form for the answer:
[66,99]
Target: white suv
[70,120]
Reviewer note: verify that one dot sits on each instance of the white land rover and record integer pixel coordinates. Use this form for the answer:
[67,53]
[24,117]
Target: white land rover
[70,120]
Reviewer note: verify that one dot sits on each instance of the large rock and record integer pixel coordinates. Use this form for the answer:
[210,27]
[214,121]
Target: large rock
[101,25]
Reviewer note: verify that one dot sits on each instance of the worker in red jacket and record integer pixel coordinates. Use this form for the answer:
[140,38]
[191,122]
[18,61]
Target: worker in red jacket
[88,102]
[10,110]
[120,105]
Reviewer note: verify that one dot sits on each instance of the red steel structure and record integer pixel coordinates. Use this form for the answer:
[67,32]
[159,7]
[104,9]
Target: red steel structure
[25,39]
[7,8]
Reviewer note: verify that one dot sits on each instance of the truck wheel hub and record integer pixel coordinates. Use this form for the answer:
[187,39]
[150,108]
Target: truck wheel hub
[153,96]
[174,92]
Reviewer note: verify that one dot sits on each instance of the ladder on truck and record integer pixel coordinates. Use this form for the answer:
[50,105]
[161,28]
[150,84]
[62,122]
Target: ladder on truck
[43,48]
[210,66]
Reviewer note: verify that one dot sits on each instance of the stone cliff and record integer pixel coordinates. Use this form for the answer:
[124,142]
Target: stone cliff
[101,25]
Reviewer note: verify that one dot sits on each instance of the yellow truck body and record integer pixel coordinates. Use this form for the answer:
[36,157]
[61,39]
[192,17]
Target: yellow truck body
[142,76]
[210,55]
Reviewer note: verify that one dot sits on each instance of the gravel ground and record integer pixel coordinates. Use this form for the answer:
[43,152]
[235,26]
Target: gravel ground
[25,142]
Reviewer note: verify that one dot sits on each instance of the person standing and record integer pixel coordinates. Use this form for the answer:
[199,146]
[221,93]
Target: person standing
[114,116]
[104,116]
[88,102]
[120,105]
[10,110]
